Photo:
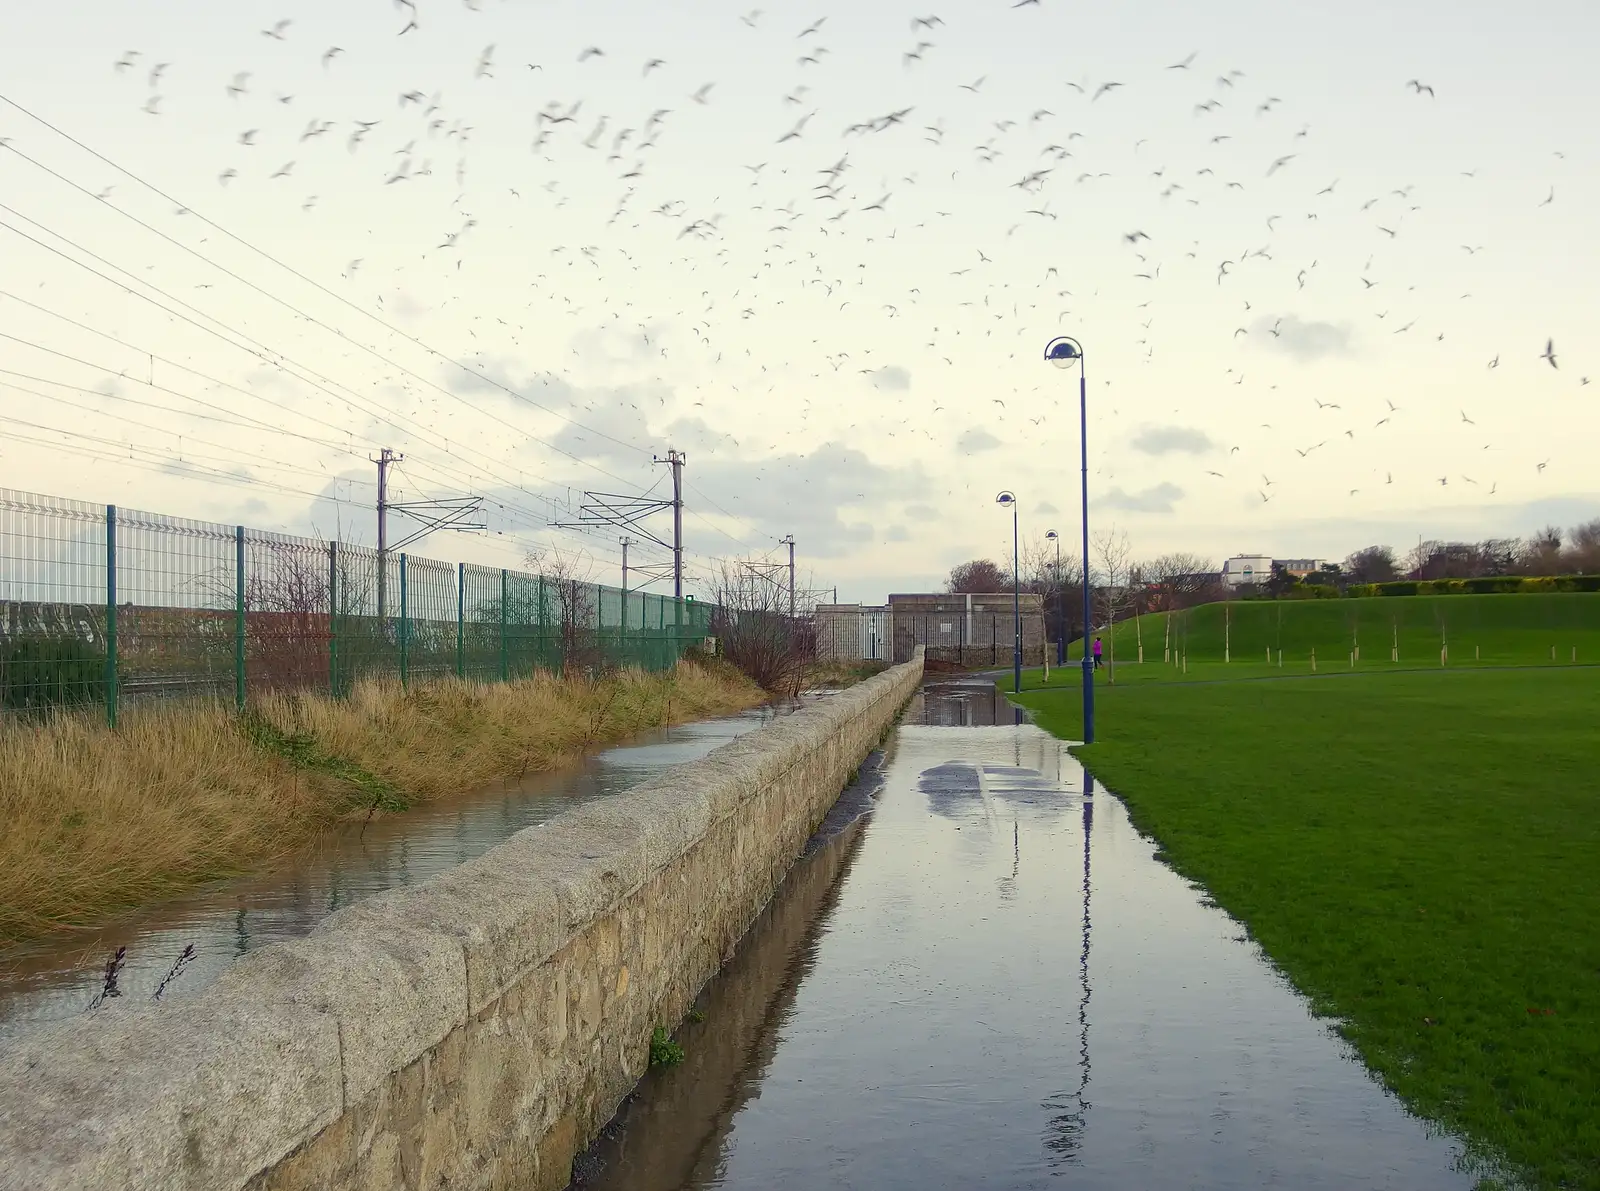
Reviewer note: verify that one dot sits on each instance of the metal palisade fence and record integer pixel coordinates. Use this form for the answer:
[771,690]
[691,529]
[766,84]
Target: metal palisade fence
[100,605]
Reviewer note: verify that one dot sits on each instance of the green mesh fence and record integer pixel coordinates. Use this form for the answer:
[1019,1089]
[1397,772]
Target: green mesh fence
[100,605]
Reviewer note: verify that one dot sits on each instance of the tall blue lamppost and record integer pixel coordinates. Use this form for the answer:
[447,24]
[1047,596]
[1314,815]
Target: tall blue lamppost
[1016,594]
[1008,498]
[1064,353]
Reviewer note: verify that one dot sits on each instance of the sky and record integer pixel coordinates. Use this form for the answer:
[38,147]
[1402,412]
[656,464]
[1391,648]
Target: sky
[1314,254]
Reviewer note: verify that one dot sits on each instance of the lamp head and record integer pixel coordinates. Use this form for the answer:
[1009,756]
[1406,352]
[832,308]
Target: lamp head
[1005,498]
[1051,536]
[1063,352]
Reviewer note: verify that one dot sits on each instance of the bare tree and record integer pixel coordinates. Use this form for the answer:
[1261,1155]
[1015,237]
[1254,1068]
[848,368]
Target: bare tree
[756,632]
[1372,564]
[1541,553]
[567,580]
[1059,584]
[1178,580]
[979,576]
[1114,555]
[1583,551]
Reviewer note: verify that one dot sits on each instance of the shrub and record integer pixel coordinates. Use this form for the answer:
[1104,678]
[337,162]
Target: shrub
[1311,591]
[664,1052]
[37,673]
[1481,585]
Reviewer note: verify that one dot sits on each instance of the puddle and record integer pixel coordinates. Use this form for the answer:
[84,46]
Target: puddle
[54,979]
[988,981]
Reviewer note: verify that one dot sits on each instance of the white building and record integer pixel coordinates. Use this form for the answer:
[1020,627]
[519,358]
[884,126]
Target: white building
[1247,568]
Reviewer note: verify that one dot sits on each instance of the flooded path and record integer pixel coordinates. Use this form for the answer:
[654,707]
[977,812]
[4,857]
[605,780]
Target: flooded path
[979,976]
[53,979]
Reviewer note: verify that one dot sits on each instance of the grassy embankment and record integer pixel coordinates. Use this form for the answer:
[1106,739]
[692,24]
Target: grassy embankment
[1496,630]
[97,821]
[1419,851]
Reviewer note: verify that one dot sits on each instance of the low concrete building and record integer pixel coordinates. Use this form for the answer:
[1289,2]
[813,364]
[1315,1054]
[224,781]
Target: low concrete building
[966,629]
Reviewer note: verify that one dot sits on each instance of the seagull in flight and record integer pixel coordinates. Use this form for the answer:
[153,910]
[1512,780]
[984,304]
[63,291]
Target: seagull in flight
[1549,352]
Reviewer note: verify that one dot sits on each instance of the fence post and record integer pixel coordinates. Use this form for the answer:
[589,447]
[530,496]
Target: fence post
[333,619]
[461,620]
[405,628]
[111,616]
[505,659]
[238,617]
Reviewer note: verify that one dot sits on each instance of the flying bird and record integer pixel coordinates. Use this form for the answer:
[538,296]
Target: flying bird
[1549,352]
[1419,87]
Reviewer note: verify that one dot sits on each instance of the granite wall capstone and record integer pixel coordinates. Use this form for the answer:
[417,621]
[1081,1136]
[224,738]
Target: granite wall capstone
[475,1031]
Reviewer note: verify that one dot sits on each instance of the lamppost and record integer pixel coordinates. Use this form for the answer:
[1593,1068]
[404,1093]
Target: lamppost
[1064,353]
[1008,498]
[1061,608]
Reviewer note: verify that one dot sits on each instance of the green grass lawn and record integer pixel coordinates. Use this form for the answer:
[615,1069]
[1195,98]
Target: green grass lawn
[1526,629]
[1420,853]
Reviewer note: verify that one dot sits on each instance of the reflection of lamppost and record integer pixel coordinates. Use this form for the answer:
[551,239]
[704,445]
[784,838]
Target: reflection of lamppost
[1007,498]
[1061,602]
[1064,353]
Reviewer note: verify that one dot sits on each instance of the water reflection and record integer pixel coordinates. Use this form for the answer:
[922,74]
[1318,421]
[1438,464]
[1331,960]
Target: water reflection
[1069,1111]
[935,1030]
[965,703]
[55,979]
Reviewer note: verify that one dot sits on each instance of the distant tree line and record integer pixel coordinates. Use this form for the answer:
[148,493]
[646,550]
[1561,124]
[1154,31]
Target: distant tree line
[1547,552]
[1122,586]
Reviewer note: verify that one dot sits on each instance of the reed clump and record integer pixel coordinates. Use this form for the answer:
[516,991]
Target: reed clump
[96,821]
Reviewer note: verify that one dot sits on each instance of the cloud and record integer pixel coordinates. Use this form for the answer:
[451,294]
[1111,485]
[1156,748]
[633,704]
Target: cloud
[1158,499]
[977,439]
[1305,341]
[897,533]
[404,306]
[1165,440]
[891,377]
[1045,509]
[830,497]
[922,512]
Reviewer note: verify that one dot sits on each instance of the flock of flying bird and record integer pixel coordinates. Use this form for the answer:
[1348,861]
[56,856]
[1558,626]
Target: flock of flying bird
[849,252]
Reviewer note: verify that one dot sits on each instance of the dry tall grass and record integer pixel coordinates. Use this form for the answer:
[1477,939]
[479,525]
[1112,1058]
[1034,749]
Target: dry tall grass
[95,821]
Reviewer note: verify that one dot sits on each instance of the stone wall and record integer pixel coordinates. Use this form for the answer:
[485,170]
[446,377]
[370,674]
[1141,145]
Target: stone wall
[471,1032]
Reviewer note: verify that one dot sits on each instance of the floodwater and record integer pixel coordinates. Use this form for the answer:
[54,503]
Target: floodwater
[54,979]
[979,976]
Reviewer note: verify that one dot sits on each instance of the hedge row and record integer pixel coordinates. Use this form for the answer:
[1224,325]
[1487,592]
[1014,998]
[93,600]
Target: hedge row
[1488,585]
